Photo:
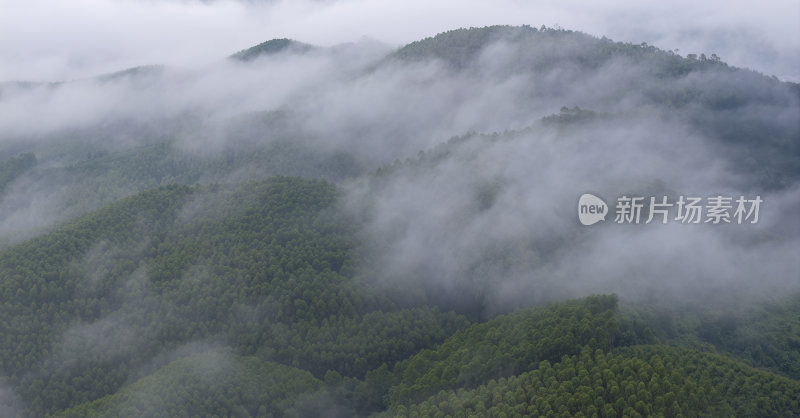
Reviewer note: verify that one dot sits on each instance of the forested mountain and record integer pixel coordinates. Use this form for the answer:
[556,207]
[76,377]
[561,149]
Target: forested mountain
[641,381]
[290,232]
[723,102]
[270,47]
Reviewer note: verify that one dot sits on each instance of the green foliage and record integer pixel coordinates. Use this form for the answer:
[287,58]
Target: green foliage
[264,268]
[507,345]
[766,335]
[102,315]
[547,48]
[734,386]
[738,108]
[14,167]
[206,384]
[272,47]
[353,346]
[567,117]
[636,381]
[104,177]
[458,47]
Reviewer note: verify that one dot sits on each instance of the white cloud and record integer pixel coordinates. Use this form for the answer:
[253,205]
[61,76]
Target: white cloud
[56,39]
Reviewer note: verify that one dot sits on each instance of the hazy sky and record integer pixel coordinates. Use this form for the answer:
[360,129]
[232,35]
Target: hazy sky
[67,39]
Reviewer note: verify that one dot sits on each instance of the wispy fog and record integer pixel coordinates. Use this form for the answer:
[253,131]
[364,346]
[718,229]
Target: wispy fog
[487,214]
[49,40]
[459,167]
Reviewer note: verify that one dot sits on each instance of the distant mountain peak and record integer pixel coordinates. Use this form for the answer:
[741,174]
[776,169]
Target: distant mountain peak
[139,71]
[272,47]
[459,46]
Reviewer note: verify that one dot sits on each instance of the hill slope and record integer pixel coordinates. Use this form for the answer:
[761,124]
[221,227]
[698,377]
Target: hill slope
[272,47]
[296,236]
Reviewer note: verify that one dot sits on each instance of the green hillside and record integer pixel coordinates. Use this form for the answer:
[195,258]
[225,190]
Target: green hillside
[98,312]
[263,267]
[271,47]
[636,382]
[211,383]
[284,240]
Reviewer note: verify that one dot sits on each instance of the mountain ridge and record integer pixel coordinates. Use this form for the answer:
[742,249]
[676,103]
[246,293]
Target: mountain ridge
[237,240]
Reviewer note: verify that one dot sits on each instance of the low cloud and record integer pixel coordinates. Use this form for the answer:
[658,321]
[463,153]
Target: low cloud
[492,206]
[48,40]
[496,218]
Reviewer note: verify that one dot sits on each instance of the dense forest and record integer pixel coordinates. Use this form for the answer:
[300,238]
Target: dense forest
[329,255]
